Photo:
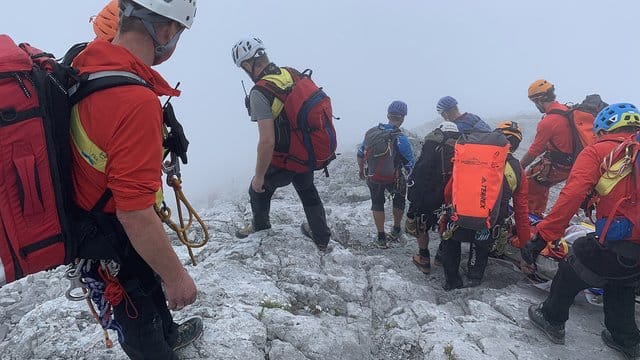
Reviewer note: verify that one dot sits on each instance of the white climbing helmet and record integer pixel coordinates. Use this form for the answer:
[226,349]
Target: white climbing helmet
[448,126]
[245,49]
[182,11]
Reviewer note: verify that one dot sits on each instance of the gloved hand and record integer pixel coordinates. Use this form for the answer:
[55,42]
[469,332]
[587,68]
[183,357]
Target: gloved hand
[176,141]
[532,249]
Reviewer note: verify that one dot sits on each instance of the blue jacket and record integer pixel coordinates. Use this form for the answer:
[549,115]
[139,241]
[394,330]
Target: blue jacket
[471,122]
[403,149]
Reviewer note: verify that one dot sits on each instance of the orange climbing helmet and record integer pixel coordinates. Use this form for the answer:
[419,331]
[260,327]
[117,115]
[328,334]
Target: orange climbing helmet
[105,24]
[541,90]
[510,128]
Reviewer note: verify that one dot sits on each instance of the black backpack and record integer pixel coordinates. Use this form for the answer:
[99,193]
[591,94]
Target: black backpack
[432,171]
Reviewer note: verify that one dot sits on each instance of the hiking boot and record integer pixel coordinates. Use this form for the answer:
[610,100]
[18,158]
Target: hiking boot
[630,352]
[306,231]
[411,227]
[244,232]
[555,333]
[381,242]
[423,263]
[474,282]
[188,332]
[395,234]
[437,260]
[450,286]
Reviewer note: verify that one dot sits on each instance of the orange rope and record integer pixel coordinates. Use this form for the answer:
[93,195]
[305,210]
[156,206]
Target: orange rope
[107,341]
[182,230]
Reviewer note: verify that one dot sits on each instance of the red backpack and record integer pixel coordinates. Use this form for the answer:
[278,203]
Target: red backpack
[581,117]
[312,136]
[38,226]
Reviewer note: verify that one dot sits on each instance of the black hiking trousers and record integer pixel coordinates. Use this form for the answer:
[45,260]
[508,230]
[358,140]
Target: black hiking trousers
[148,327]
[591,265]
[478,255]
[306,189]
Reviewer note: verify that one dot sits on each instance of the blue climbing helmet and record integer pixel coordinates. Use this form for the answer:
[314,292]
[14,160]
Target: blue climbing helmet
[445,104]
[397,108]
[616,116]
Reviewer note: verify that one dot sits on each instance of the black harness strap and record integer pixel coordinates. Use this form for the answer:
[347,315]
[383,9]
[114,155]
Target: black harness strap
[102,201]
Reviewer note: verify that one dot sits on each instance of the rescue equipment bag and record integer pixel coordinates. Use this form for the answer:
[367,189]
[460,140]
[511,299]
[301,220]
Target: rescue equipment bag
[37,226]
[311,142]
[477,180]
[379,154]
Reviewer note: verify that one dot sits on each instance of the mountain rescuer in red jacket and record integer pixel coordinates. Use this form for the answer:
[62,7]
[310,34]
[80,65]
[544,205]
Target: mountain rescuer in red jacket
[553,141]
[610,257]
[117,177]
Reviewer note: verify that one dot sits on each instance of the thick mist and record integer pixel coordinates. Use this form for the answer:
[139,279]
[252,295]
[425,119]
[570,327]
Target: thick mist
[366,54]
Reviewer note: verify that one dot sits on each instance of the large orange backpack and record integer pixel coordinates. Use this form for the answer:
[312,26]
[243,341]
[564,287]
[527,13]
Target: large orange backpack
[477,181]
[581,117]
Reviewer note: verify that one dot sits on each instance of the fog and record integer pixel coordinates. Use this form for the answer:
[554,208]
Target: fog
[366,54]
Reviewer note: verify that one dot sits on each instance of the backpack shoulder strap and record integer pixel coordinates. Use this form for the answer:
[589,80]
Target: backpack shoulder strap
[297,75]
[568,114]
[276,84]
[565,113]
[102,80]
[269,91]
[512,172]
[71,54]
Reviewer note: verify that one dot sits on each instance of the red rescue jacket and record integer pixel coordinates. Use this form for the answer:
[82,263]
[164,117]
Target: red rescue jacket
[553,133]
[583,178]
[126,123]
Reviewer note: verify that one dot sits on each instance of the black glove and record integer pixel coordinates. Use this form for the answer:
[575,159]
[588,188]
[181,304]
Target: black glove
[532,249]
[176,142]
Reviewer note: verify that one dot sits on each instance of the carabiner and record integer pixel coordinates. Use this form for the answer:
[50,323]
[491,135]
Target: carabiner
[74,275]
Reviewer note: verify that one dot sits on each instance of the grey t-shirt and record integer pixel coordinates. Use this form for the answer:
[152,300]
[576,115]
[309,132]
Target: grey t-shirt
[260,106]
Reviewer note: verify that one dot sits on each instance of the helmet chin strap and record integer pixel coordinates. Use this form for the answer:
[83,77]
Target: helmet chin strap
[148,19]
[161,49]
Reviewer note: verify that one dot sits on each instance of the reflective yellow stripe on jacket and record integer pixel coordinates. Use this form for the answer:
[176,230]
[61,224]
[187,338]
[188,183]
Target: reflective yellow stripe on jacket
[92,153]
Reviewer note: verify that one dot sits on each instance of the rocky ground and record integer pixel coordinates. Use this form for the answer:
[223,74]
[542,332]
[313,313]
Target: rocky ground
[274,296]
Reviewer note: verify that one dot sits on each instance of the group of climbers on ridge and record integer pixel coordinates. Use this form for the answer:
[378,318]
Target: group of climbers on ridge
[598,159]
[440,184]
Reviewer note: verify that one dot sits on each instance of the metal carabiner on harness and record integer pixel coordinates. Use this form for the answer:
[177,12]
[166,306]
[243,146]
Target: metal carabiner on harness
[172,169]
[74,275]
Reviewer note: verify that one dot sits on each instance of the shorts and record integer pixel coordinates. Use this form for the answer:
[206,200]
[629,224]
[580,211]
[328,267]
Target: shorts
[398,191]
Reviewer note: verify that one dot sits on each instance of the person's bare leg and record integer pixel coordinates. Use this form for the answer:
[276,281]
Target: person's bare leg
[378,219]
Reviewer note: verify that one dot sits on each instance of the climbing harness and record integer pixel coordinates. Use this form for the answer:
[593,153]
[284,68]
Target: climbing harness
[96,280]
[102,291]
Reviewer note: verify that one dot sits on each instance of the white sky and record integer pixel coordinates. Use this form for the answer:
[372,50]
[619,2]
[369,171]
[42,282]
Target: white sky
[366,54]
